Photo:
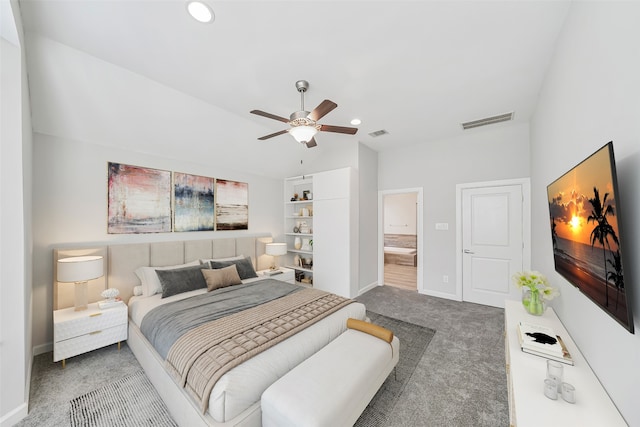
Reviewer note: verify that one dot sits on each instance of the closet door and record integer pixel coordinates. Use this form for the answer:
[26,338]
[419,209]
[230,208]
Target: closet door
[331,246]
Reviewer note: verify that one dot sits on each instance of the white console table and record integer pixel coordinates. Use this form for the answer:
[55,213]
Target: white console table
[528,405]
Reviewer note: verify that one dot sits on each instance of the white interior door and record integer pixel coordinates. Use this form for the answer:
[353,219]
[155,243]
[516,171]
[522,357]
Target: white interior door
[492,243]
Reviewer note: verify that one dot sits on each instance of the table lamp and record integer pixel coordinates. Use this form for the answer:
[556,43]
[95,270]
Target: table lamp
[80,270]
[275,250]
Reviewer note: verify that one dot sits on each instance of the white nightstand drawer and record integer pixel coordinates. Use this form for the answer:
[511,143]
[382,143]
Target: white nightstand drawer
[90,341]
[69,323]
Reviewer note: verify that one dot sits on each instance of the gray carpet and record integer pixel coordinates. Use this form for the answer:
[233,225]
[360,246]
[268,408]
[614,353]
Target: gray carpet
[128,402]
[460,380]
[414,340]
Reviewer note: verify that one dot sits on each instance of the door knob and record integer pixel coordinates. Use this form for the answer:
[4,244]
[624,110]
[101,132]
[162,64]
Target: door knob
[467,251]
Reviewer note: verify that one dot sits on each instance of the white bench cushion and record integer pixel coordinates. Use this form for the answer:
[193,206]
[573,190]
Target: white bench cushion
[333,386]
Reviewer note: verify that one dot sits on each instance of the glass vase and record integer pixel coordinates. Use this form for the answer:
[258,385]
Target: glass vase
[533,302]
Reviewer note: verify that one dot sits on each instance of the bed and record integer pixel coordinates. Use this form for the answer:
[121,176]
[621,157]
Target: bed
[234,400]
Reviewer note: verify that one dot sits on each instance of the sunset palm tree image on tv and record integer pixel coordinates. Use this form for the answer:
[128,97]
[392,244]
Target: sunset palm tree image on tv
[585,232]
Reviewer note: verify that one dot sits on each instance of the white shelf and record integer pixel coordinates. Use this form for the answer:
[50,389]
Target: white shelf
[306,270]
[528,406]
[298,202]
[300,251]
[299,234]
[300,217]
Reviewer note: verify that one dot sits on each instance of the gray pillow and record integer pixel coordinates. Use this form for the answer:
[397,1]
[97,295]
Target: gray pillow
[181,280]
[244,266]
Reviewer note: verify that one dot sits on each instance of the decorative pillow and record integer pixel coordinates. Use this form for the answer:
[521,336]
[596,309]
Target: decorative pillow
[244,266]
[221,278]
[181,280]
[137,291]
[149,278]
[231,258]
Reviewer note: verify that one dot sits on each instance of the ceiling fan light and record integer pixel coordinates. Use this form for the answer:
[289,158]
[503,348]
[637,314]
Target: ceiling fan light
[200,11]
[303,133]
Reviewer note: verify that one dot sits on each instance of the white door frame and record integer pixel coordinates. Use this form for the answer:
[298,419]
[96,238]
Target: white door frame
[419,232]
[526,222]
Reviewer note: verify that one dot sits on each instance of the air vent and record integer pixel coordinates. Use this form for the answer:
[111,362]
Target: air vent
[488,121]
[378,133]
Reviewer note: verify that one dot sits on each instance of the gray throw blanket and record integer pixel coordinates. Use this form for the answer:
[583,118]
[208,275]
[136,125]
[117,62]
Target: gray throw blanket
[163,325]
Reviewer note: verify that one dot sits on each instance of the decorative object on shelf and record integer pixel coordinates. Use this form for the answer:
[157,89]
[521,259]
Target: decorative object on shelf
[307,195]
[295,197]
[296,229]
[297,261]
[275,250]
[297,243]
[80,270]
[110,294]
[535,291]
[304,212]
[306,245]
[307,263]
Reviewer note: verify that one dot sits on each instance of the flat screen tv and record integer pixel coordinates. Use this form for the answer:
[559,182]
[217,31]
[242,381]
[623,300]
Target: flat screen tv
[584,209]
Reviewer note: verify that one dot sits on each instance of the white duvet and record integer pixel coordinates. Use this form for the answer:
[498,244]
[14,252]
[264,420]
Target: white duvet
[242,386]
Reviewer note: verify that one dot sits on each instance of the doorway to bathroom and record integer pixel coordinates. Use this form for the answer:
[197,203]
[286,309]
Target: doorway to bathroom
[400,238]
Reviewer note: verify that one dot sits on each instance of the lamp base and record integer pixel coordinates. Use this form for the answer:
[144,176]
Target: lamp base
[81,296]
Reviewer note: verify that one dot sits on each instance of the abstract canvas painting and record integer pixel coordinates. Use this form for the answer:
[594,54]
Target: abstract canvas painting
[139,200]
[193,202]
[232,205]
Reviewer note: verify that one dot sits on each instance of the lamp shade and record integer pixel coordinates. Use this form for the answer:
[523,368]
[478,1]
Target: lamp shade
[276,249]
[303,133]
[80,268]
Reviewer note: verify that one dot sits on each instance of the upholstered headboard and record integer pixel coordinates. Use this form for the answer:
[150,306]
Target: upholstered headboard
[122,260]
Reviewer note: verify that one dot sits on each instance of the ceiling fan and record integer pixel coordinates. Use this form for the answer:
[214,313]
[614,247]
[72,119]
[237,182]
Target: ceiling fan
[304,124]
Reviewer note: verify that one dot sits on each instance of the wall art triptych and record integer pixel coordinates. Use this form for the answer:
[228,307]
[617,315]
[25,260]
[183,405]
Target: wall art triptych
[146,200]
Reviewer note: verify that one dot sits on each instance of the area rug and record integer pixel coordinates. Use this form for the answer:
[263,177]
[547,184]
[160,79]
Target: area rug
[414,340]
[129,401]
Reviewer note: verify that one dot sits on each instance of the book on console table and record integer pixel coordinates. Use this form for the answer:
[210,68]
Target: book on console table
[543,341]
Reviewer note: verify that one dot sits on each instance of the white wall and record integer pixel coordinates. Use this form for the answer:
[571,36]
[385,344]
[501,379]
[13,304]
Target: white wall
[400,212]
[15,292]
[368,217]
[485,154]
[70,206]
[591,95]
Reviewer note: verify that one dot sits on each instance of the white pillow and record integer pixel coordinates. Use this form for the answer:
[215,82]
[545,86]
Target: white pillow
[149,279]
[137,291]
[231,258]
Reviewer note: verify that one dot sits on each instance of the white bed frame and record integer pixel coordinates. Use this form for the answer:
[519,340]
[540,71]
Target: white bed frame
[122,260]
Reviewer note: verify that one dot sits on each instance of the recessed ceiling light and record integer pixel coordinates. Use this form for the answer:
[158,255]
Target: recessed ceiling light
[356,122]
[200,11]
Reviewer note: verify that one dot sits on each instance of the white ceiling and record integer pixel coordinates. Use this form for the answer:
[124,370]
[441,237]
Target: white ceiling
[416,69]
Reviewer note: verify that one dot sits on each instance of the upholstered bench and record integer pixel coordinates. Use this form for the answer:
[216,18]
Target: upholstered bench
[332,387]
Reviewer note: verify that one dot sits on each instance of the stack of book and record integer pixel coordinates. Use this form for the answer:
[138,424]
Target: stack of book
[543,341]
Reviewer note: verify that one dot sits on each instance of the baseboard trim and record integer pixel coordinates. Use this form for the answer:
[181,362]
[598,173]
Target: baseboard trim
[15,416]
[42,348]
[452,297]
[368,288]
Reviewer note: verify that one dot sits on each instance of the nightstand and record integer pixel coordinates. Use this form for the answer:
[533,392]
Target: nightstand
[287,275]
[77,332]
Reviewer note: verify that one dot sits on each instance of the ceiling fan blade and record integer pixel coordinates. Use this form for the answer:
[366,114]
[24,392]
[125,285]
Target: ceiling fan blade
[262,138]
[269,115]
[312,143]
[338,129]
[322,110]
